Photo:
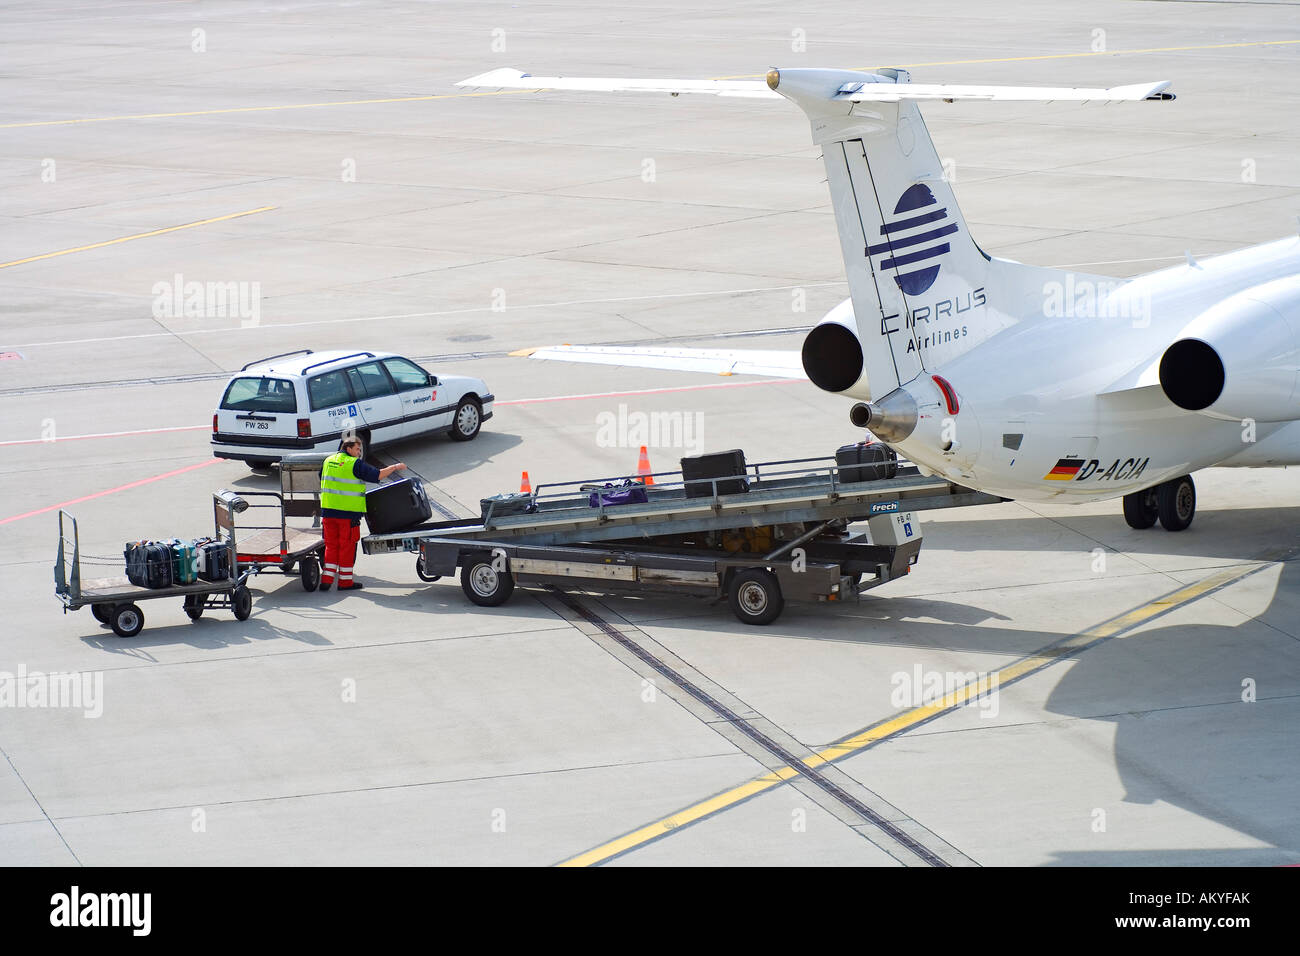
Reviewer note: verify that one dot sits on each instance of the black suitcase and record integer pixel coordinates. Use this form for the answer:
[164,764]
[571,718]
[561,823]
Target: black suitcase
[720,464]
[517,503]
[866,461]
[149,565]
[397,506]
[214,560]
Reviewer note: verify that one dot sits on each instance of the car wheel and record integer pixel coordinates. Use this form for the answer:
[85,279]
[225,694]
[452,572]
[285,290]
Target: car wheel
[467,420]
[755,596]
[260,464]
[1177,503]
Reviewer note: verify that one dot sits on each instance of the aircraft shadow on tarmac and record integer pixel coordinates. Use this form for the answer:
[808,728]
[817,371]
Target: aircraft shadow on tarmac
[1185,736]
[1183,733]
[1246,534]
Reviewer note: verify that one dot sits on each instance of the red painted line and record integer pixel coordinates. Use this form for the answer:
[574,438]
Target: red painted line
[110,491]
[139,431]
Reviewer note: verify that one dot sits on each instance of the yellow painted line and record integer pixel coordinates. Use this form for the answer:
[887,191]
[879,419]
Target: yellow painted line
[138,235]
[917,715]
[260,109]
[1055,56]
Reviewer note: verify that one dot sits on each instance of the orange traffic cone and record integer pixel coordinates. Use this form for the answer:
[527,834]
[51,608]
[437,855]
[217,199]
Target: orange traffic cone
[524,487]
[643,468]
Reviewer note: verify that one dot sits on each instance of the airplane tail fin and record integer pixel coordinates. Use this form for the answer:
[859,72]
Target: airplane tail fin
[922,290]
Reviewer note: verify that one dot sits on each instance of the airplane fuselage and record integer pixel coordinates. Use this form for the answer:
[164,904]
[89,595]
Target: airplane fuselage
[1056,407]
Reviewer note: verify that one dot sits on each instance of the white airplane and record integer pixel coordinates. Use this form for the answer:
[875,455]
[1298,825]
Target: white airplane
[1031,383]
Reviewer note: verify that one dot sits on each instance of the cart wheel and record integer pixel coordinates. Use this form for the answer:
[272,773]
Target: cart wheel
[286,566]
[102,612]
[126,619]
[194,605]
[309,571]
[422,574]
[485,585]
[241,602]
[755,596]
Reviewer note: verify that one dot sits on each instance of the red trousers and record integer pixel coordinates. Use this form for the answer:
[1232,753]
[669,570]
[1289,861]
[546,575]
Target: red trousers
[341,537]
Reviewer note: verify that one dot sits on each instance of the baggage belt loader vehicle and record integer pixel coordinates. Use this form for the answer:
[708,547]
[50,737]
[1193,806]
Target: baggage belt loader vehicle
[761,535]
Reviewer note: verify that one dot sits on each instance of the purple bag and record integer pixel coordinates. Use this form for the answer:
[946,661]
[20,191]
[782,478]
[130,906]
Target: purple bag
[628,493]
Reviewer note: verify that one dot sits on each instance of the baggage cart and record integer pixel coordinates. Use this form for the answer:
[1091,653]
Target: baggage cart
[275,543]
[115,601]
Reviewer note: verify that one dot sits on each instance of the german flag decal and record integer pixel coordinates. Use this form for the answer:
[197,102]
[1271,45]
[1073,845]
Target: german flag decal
[1065,470]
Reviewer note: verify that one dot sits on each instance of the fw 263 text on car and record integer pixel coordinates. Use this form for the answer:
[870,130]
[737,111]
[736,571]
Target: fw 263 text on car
[306,401]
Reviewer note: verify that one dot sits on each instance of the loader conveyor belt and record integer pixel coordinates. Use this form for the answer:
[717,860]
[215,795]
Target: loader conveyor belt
[778,494]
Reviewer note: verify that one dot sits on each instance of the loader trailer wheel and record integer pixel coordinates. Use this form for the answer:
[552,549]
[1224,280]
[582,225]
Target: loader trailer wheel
[420,571]
[755,596]
[484,584]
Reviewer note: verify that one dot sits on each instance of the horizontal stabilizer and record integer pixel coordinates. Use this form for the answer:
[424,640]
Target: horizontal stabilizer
[863,92]
[514,79]
[942,92]
[775,364]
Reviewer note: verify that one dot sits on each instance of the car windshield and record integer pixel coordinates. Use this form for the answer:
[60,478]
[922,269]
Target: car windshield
[260,395]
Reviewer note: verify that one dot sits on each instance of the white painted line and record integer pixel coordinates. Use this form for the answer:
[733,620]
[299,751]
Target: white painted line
[416,315]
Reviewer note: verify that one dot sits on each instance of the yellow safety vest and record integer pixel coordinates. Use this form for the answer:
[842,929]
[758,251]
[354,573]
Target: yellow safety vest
[339,490]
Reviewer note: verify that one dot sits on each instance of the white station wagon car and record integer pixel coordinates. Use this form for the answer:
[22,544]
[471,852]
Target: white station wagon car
[303,401]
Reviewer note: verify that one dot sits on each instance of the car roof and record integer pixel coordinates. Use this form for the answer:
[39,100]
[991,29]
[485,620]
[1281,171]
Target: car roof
[299,362]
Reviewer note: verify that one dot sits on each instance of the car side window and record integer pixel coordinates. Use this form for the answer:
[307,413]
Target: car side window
[406,374]
[369,381]
[328,390]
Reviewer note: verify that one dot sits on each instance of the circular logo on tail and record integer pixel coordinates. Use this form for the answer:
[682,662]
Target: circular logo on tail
[913,239]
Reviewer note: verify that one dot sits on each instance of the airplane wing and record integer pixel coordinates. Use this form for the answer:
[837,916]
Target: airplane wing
[851,92]
[774,364]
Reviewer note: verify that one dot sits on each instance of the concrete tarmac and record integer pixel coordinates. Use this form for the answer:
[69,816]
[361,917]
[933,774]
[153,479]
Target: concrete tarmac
[321,153]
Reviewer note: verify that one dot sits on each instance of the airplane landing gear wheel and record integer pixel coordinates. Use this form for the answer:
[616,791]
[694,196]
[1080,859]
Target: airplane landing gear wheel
[1177,499]
[1142,508]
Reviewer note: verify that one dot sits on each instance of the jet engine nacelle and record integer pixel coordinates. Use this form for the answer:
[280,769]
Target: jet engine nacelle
[1241,358]
[832,356]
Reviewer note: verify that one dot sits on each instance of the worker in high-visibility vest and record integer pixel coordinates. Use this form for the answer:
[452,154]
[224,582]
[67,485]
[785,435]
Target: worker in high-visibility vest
[343,480]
